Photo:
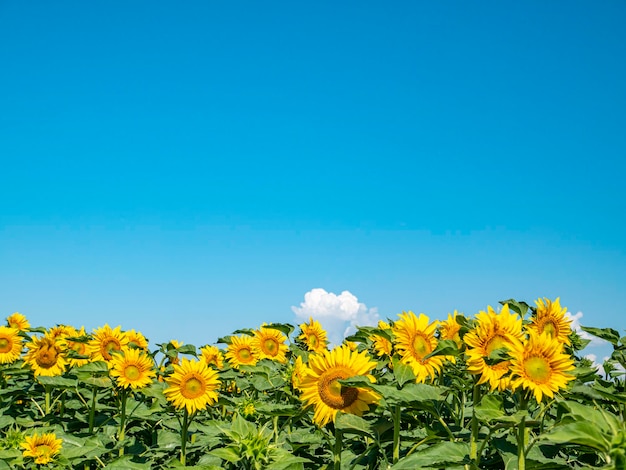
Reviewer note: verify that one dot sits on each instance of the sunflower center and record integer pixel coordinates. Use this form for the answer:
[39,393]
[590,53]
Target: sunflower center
[270,346]
[44,450]
[244,355]
[537,369]
[549,328]
[192,387]
[313,342]
[132,372]
[421,347]
[497,342]
[332,393]
[5,345]
[47,356]
[109,346]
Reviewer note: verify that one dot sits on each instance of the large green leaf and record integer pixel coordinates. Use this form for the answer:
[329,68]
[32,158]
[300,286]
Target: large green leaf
[579,432]
[607,334]
[402,372]
[443,454]
[352,424]
[57,382]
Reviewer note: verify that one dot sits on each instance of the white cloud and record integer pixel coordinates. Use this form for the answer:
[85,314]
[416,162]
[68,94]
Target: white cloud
[338,314]
[575,325]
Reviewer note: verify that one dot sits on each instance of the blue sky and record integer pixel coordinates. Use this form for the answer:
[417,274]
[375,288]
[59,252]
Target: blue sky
[190,169]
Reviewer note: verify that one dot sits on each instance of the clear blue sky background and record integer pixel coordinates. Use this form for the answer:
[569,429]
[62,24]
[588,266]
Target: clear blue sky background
[190,168]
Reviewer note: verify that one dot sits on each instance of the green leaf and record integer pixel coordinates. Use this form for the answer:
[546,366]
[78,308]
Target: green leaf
[607,334]
[411,394]
[288,462]
[443,454]
[57,382]
[579,432]
[352,424]
[445,347]
[126,463]
[226,453]
[490,408]
[518,307]
[402,372]
[284,328]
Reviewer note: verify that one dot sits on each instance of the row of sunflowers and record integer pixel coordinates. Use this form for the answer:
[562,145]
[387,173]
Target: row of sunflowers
[506,388]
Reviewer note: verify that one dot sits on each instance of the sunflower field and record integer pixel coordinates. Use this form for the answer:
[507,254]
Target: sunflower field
[506,388]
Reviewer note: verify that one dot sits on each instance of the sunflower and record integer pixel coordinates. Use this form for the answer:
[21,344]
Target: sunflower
[79,348]
[493,331]
[321,388]
[541,366]
[297,373]
[414,340]
[240,352]
[192,386]
[212,356]
[46,356]
[382,346]
[450,328]
[61,331]
[18,321]
[137,340]
[269,343]
[313,336]
[133,368]
[42,448]
[106,341]
[550,318]
[11,344]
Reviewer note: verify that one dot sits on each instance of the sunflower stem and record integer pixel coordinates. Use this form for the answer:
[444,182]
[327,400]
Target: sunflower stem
[337,449]
[521,435]
[474,436]
[122,430]
[92,410]
[396,434]
[183,437]
[48,390]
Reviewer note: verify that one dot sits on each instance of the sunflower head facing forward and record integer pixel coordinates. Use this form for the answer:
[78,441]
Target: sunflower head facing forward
[321,388]
[11,344]
[193,386]
[42,448]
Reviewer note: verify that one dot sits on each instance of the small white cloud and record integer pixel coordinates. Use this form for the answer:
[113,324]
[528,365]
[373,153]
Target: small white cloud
[575,325]
[338,314]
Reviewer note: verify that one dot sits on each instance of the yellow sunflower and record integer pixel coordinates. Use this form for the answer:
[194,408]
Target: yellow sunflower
[106,341]
[240,352]
[414,340]
[321,388]
[133,368]
[137,340]
[11,344]
[493,331]
[449,329]
[42,448]
[297,373]
[77,347]
[192,386]
[18,321]
[382,346]
[61,331]
[46,356]
[550,319]
[212,356]
[314,336]
[269,343]
[540,365]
